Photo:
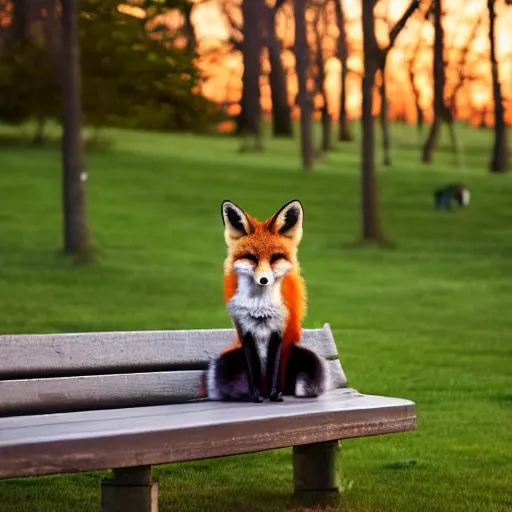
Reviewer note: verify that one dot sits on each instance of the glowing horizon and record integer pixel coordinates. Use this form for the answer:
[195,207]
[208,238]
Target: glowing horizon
[224,68]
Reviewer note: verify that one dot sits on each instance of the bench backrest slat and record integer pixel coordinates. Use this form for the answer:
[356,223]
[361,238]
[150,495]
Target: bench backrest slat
[94,392]
[53,355]
[72,372]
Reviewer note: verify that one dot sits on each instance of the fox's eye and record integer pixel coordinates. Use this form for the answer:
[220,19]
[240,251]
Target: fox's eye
[276,257]
[251,257]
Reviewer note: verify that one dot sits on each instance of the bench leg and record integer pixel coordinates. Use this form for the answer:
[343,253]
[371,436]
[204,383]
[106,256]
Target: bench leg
[131,490]
[315,472]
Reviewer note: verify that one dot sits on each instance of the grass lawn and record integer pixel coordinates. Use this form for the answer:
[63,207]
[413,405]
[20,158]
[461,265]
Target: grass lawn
[429,319]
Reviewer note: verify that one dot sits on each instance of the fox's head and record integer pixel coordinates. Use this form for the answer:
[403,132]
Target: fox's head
[263,252]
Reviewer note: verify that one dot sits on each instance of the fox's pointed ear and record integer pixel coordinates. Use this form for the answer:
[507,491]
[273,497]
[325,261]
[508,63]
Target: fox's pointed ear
[236,223]
[288,221]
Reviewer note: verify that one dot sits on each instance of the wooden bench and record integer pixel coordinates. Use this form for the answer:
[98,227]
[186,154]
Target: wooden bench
[129,400]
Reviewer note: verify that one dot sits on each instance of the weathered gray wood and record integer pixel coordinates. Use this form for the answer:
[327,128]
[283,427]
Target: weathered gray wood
[345,395]
[84,441]
[112,391]
[98,392]
[337,377]
[131,490]
[121,352]
[315,469]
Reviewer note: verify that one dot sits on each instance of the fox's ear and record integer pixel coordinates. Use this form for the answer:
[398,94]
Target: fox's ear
[288,221]
[236,223]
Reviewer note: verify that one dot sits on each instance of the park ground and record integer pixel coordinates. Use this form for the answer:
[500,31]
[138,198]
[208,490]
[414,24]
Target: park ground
[427,318]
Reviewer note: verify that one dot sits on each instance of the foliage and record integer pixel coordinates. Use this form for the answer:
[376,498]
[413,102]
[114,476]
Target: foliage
[137,77]
[133,75]
[29,84]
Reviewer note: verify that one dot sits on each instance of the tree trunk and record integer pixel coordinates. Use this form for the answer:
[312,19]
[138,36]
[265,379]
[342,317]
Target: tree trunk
[430,144]
[344,133]
[344,129]
[281,112]
[189,29]
[39,135]
[76,236]
[440,110]
[415,91]
[305,100]
[326,129]
[419,111]
[384,122]
[372,231]
[19,21]
[380,57]
[499,152]
[250,115]
[325,144]
[419,117]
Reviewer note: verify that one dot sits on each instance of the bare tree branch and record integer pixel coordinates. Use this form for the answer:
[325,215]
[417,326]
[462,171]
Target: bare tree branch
[236,43]
[464,52]
[400,24]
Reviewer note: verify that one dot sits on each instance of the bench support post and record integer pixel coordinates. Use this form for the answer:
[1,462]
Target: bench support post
[315,472]
[131,490]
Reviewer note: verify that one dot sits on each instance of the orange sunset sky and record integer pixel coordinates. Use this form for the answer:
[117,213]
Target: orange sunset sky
[466,25]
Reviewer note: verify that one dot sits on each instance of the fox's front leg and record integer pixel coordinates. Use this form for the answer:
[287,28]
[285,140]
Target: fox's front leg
[253,367]
[275,346]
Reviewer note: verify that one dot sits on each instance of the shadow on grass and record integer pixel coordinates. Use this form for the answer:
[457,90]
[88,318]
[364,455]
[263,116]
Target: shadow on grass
[35,258]
[503,399]
[402,464]
[444,149]
[232,499]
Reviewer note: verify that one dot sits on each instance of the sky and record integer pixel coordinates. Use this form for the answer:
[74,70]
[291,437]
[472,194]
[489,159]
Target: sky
[466,25]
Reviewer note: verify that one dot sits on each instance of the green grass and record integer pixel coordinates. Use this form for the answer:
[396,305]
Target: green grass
[428,319]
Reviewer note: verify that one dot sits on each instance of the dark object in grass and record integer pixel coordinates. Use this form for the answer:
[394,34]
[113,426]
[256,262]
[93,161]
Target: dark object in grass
[403,464]
[445,196]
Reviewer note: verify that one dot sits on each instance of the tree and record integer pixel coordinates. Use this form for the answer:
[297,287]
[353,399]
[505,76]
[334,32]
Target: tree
[134,75]
[189,29]
[411,63]
[461,64]
[371,226]
[441,111]
[76,235]
[251,46]
[342,47]
[304,99]
[319,30]
[374,60]
[499,159]
[29,85]
[281,112]
[381,56]
[261,31]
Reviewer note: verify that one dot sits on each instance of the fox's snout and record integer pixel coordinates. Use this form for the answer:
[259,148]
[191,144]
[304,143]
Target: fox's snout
[264,278]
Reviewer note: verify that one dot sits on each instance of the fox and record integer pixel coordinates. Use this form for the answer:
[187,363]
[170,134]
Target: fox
[265,295]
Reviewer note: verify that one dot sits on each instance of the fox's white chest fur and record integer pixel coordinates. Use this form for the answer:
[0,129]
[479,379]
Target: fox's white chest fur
[259,310]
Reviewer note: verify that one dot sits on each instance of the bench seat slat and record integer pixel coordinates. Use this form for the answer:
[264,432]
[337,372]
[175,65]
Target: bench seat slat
[121,352]
[111,391]
[172,433]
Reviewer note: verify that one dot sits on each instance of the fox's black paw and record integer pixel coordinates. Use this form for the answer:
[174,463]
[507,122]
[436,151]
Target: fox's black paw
[276,397]
[257,399]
